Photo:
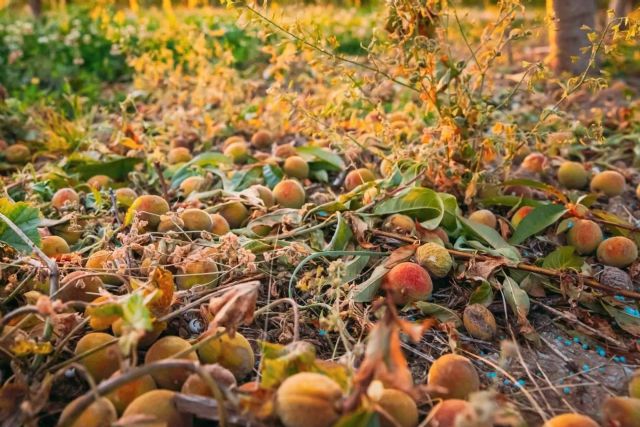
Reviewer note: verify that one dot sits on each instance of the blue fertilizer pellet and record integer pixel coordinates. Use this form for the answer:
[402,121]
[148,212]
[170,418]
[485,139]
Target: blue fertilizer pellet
[566,390]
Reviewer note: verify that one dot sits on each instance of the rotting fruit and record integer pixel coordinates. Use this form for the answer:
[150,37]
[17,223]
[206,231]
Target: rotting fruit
[65,198]
[262,139]
[585,236]
[234,354]
[296,167]
[618,251]
[127,393]
[17,154]
[308,400]
[102,363]
[479,322]
[485,217]
[195,385]
[167,348]
[435,259]
[609,183]
[399,223]
[235,213]
[454,375]
[100,413]
[289,193]
[570,420]
[572,175]
[400,407]
[52,246]
[147,208]
[159,406]
[197,273]
[196,220]
[407,282]
[358,177]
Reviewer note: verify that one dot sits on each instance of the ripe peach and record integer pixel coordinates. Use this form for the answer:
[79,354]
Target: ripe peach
[570,420]
[148,208]
[197,273]
[17,154]
[400,406]
[100,413]
[585,235]
[78,286]
[617,251]
[450,413]
[289,193]
[65,198]
[178,155]
[479,322]
[520,215]
[407,282]
[147,339]
[103,363]
[485,217]
[54,245]
[99,182]
[194,384]
[262,139]
[127,393]
[238,152]
[308,400]
[572,175]
[621,412]
[399,223]
[160,407]
[125,197]
[358,177]
[296,167]
[193,184]
[533,163]
[263,193]
[103,261]
[219,225]
[455,374]
[235,354]
[284,151]
[634,385]
[235,213]
[196,220]
[166,348]
[610,183]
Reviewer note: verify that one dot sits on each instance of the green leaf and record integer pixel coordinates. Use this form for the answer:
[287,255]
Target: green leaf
[536,221]
[509,201]
[26,218]
[421,203]
[272,175]
[332,159]
[483,294]
[451,211]
[354,268]
[627,322]
[517,299]
[563,258]
[200,161]
[117,168]
[342,235]
[135,313]
[546,188]
[244,179]
[486,234]
[443,314]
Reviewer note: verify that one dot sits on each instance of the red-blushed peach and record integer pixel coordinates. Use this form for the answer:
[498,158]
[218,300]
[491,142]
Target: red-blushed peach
[148,208]
[450,413]
[534,162]
[571,420]
[455,375]
[407,282]
[617,251]
[166,348]
[289,193]
[585,236]
[572,175]
[358,177]
[609,183]
[484,217]
[65,198]
[99,182]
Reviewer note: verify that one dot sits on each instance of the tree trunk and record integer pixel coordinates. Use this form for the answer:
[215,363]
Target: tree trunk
[36,7]
[566,38]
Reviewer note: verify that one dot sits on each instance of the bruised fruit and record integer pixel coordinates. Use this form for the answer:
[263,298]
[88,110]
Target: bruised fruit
[407,282]
[609,183]
[159,407]
[196,220]
[178,155]
[100,413]
[219,225]
[585,236]
[296,167]
[65,198]
[451,413]
[435,259]
[570,420]
[399,223]
[264,193]
[289,193]
[262,139]
[400,407]
[195,385]
[485,217]
[103,261]
[617,251]
[193,184]
[102,363]
[125,197]
[79,286]
[520,214]
[621,412]
[237,151]
[197,273]
[147,208]
[479,322]
[53,246]
[453,376]
[634,385]
[167,348]
[533,163]
[127,393]
[17,154]
[235,354]
[572,175]
[358,177]
[235,213]
[99,182]
[308,400]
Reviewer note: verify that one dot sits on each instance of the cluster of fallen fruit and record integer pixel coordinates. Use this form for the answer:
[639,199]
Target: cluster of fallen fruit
[306,398]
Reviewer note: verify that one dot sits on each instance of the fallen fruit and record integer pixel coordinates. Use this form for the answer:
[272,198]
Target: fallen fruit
[65,198]
[572,175]
[159,406]
[147,208]
[127,393]
[296,167]
[609,183]
[166,348]
[308,400]
[570,420]
[585,235]
[485,217]
[400,407]
[289,194]
[479,322]
[100,413]
[234,354]
[53,246]
[617,251]
[621,412]
[358,177]
[455,375]
[407,282]
[235,213]
[102,363]
[435,259]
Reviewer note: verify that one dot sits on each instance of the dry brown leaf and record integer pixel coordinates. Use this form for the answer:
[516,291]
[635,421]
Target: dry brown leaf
[235,307]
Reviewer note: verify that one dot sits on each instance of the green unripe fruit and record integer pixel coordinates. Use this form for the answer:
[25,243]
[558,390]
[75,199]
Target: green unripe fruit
[572,175]
[296,167]
[609,183]
[435,259]
[125,197]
